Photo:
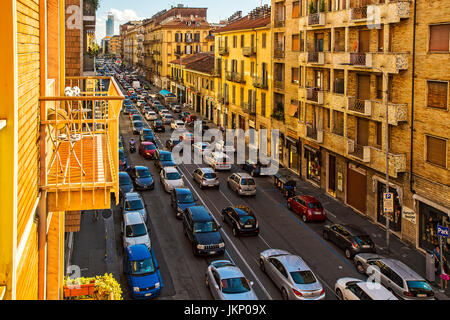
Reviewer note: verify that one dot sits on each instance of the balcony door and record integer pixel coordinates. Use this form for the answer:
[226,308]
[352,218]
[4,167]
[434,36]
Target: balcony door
[364,41]
[318,40]
[363,92]
[318,79]
[363,132]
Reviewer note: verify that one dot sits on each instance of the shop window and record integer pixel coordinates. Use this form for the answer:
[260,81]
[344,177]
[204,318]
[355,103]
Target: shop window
[430,218]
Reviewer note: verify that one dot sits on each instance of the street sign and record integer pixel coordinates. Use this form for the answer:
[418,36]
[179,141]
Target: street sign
[442,231]
[388,202]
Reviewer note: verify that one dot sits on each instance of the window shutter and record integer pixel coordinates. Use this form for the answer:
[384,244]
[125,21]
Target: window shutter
[439,37]
[436,151]
[295,73]
[296,43]
[437,94]
[295,9]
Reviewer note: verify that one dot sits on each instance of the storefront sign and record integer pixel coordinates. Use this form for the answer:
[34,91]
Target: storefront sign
[409,214]
[442,231]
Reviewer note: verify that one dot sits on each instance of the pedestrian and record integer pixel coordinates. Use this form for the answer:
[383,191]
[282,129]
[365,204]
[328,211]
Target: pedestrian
[444,273]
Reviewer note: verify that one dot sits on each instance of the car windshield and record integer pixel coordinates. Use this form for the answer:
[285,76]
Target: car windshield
[135,230]
[315,205]
[303,277]
[203,227]
[210,175]
[173,176]
[142,267]
[166,157]
[185,198]
[235,285]
[362,240]
[136,117]
[247,220]
[138,124]
[419,286]
[124,180]
[158,123]
[247,182]
[133,205]
[149,147]
[143,173]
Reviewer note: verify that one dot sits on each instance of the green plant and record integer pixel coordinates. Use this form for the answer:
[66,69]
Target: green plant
[96,4]
[322,6]
[312,8]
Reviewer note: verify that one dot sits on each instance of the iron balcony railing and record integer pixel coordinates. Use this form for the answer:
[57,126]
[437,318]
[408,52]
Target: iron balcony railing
[314,95]
[235,77]
[249,51]
[223,50]
[358,58]
[316,57]
[261,83]
[278,53]
[358,13]
[316,19]
[278,84]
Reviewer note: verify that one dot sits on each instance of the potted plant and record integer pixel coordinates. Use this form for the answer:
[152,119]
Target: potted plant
[322,6]
[312,8]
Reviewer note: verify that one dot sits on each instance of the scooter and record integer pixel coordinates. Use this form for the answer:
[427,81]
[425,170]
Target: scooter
[132,145]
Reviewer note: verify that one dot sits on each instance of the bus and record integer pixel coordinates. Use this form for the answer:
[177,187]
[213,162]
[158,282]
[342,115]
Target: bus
[167,97]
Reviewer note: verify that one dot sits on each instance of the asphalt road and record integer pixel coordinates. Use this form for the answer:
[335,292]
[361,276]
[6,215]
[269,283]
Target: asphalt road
[184,274]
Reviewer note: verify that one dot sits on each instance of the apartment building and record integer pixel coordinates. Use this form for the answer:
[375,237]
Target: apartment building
[130,44]
[114,45]
[243,69]
[125,40]
[337,65]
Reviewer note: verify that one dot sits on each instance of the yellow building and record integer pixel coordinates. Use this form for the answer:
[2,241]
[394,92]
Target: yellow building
[114,45]
[130,45]
[243,69]
[37,131]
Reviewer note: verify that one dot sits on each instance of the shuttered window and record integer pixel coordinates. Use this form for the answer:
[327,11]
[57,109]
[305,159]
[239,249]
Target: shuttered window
[436,151]
[242,41]
[263,104]
[296,42]
[437,94]
[296,9]
[295,75]
[439,37]
[264,40]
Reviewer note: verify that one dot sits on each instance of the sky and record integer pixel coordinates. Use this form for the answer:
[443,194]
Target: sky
[126,10]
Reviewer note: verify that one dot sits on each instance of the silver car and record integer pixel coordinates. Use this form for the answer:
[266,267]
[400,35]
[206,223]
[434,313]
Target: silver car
[132,201]
[134,230]
[242,183]
[171,179]
[397,277]
[227,282]
[356,289]
[291,275]
[206,177]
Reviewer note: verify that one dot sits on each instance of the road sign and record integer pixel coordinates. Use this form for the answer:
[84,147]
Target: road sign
[388,202]
[442,231]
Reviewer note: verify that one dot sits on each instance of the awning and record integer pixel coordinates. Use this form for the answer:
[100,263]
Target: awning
[291,140]
[311,148]
[292,110]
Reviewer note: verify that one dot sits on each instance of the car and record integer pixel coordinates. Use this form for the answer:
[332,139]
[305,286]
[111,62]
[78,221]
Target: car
[176,108]
[132,111]
[202,148]
[242,183]
[171,179]
[177,125]
[241,219]
[147,150]
[133,202]
[396,276]
[142,178]
[181,199]
[135,117]
[350,238]
[146,109]
[134,230]
[356,289]
[227,148]
[307,207]
[167,118]
[227,282]
[206,178]
[162,112]
[218,160]
[151,115]
[142,270]
[141,102]
[254,169]
[137,126]
[187,136]
[158,126]
[125,184]
[291,275]
[202,231]
[147,136]
[163,159]
[171,143]
[155,103]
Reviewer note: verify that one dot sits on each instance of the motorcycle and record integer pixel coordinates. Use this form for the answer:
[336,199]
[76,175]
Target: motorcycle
[132,145]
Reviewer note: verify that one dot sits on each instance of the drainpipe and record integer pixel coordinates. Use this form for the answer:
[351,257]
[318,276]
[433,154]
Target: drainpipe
[411,179]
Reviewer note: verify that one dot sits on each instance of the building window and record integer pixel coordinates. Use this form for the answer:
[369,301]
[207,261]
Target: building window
[380,40]
[437,94]
[264,40]
[263,104]
[296,9]
[379,134]
[379,87]
[234,41]
[295,75]
[233,92]
[302,42]
[439,37]
[436,151]
[242,41]
[296,42]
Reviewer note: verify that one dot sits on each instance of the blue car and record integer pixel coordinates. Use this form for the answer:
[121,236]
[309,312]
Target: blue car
[181,199]
[123,164]
[125,184]
[142,178]
[147,136]
[142,270]
[164,159]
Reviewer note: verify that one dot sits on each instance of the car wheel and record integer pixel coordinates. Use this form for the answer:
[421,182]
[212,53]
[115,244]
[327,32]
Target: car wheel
[360,268]
[304,218]
[339,294]
[261,265]
[325,235]
[284,294]
[348,253]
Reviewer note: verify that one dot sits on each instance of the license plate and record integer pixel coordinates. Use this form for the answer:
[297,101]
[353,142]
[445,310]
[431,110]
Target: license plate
[212,252]
[420,295]
[248,227]
[148,294]
[317,213]
[366,246]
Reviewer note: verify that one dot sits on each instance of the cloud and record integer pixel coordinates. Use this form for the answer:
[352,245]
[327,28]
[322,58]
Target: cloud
[120,17]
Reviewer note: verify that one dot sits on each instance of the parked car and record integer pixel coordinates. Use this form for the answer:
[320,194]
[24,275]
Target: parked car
[137,126]
[158,126]
[254,169]
[125,184]
[151,115]
[241,219]
[147,150]
[307,207]
[350,238]
[142,178]
[142,272]
[134,230]
[171,179]
[356,289]
[136,117]
[291,275]
[123,164]
[171,143]
[163,159]
[147,136]
[218,160]
[242,183]
[227,282]
[177,125]
[181,199]
[133,202]
[202,231]
[206,178]
[396,276]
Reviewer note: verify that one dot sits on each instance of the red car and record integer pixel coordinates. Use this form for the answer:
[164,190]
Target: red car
[147,150]
[308,207]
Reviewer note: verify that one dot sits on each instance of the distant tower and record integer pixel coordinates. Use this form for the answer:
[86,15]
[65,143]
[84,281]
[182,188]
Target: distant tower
[110,25]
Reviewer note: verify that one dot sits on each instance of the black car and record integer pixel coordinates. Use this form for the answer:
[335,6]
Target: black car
[241,219]
[158,126]
[350,238]
[171,143]
[142,178]
[202,231]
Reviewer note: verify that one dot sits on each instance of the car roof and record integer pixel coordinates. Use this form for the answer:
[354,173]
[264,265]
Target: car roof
[183,191]
[123,174]
[375,292]
[308,198]
[141,168]
[170,169]
[243,175]
[293,262]
[132,196]
[207,170]
[353,230]
[228,272]
[242,212]
[133,217]
[138,252]
[164,152]
[402,269]
[199,213]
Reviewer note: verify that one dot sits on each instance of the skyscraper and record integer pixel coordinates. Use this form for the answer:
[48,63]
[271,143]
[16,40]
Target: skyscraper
[110,25]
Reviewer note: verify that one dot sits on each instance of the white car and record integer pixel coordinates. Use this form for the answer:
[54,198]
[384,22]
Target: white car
[221,146]
[202,148]
[177,125]
[218,160]
[356,289]
[171,179]
[134,230]
[162,112]
[167,118]
[151,115]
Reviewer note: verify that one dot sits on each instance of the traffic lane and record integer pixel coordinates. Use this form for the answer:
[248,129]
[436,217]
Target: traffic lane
[175,248]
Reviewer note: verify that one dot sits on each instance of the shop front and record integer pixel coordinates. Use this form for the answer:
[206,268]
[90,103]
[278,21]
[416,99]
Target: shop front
[312,156]
[294,153]
[357,187]
[395,218]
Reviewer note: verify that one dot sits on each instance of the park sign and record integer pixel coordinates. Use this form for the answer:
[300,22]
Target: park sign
[388,202]
[442,231]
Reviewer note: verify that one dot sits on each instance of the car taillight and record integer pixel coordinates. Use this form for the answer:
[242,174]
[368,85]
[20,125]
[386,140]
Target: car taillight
[408,294]
[322,292]
[297,293]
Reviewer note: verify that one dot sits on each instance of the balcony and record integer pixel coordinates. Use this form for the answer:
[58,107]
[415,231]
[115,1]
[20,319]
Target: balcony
[278,53]
[359,152]
[261,83]
[360,107]
[363,60]
[235,77]
[314,133]
[81,145]
[249,108]
[359,13]
[397,162]
[279,23]
[278,85]
[223,51]
[316,19]
[217,72]
[249,51]
[397,112]
[314,95]
[316,57]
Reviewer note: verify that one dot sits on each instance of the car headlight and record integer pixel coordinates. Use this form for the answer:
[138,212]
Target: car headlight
[200,247]
[136,289]
[221,245]
[157,285]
